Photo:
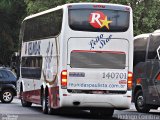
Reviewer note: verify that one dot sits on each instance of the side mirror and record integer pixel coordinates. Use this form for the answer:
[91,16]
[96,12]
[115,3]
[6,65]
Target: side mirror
[18,72]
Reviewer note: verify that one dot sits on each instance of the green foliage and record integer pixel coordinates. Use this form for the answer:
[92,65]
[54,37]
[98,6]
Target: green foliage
[146,16]
[11,12]
[77,1]
[34,6]
[5,4]
[146,13]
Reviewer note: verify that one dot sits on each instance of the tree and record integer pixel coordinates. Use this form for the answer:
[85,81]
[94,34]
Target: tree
[11,12]
[34,6]
[5,4]
[146,16]
[146,13]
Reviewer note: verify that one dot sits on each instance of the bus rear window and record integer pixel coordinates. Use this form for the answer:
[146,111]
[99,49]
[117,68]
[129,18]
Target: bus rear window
[111,60]
[98,20]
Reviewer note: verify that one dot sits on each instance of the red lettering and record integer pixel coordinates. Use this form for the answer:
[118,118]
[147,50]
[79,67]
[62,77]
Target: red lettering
[99,6]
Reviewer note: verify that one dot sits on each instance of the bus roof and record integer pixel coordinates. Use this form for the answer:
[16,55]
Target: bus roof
[82,5]
[142,35]
[157,31]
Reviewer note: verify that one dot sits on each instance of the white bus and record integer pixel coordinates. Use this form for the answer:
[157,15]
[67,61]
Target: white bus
[77,55]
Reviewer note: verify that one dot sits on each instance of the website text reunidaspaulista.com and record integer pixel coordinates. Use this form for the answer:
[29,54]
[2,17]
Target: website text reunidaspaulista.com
[96,85]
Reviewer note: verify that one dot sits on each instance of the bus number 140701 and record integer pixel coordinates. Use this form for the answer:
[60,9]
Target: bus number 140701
[114,75]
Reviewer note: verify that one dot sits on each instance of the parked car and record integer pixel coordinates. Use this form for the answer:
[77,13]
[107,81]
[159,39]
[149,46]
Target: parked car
[7,85]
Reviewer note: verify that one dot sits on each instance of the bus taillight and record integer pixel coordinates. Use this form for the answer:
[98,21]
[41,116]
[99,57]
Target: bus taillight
[129,83]
[64,79]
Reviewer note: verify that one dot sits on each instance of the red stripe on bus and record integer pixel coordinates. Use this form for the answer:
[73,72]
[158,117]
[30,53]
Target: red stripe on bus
[32,96]
[55,97]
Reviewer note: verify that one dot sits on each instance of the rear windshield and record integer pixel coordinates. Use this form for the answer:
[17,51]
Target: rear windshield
[98,20]
[112,60]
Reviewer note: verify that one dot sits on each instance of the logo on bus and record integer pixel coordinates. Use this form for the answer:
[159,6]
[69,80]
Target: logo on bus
[33,48]
[98,19]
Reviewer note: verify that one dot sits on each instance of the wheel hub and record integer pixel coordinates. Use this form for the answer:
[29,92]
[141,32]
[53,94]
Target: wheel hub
[7,96]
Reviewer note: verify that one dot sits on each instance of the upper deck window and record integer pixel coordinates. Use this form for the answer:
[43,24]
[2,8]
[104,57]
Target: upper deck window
[99,20]
[43,26]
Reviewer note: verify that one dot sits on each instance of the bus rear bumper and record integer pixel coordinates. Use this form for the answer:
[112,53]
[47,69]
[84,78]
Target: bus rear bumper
[115,101]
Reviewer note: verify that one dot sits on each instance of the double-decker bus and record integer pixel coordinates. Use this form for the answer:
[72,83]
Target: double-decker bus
[77,55]
[146,80]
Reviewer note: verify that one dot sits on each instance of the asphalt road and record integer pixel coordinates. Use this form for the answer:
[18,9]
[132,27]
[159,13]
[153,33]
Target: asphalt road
[14,111]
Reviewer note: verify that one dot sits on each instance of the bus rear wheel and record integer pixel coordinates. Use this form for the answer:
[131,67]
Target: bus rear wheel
[140,104]
[50,109]
[45,103]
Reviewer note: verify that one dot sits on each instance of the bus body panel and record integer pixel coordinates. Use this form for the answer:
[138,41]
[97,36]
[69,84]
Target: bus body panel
[92,77]
[81,42]
[97,100]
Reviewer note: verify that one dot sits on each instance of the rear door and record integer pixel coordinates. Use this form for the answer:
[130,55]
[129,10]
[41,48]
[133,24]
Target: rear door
[97,51]
[103,68]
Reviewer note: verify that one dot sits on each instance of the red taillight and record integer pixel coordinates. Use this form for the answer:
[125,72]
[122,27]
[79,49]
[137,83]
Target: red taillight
[130,78]
[99,6]
[64,79]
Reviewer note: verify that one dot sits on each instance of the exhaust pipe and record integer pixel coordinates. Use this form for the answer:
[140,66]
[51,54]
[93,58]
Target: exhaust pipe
[76,103]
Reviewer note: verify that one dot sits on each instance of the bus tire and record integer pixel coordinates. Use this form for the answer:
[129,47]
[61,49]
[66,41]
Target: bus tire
[107,112]
[45,103]
[140,104]
[24,102]
[50,110]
